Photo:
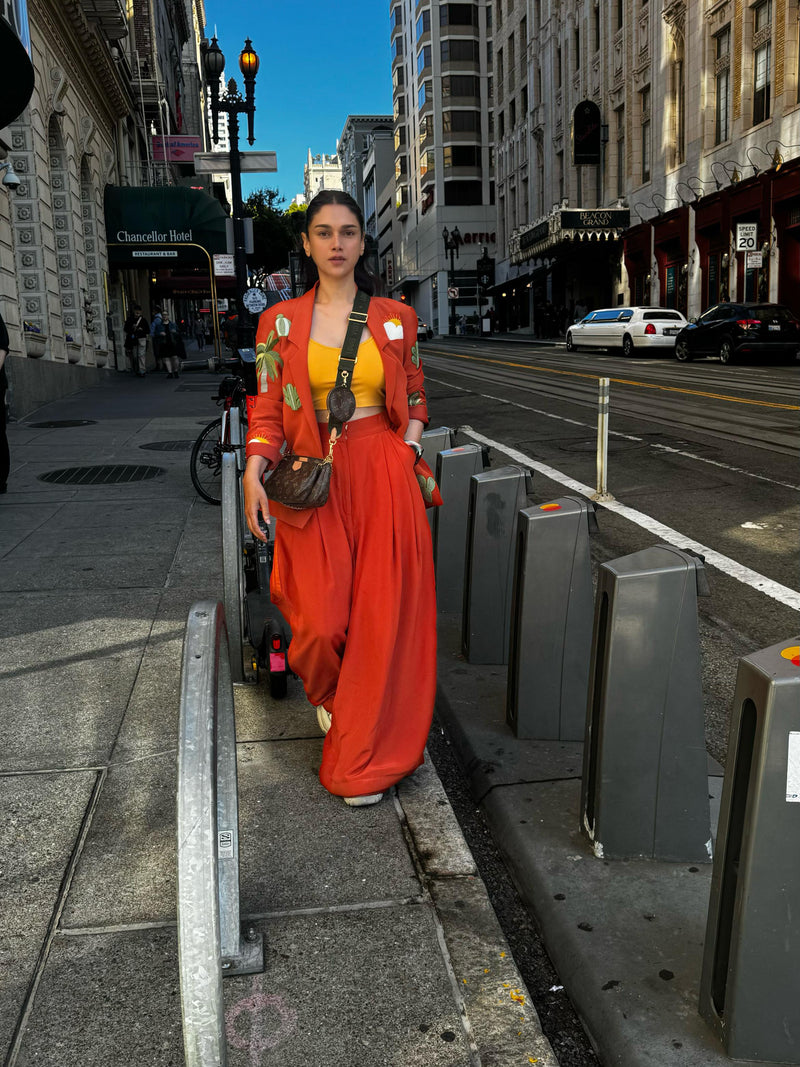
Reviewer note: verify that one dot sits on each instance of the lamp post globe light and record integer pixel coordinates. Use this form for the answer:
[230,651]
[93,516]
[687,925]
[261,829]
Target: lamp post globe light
[451,243]
[233,105]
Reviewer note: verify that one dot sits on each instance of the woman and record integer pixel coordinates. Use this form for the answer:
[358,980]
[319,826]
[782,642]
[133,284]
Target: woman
[354,577]
[170,345]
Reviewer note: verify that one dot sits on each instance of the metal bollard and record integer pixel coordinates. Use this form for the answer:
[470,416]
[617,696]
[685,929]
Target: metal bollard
[433,442]
[436,441]
[645,769]
[495,498]
[454,468]
[232,564]
[750,984]
[551,621]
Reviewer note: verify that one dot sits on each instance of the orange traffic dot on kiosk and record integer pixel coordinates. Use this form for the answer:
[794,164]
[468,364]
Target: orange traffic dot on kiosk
[792,653]
[549,507]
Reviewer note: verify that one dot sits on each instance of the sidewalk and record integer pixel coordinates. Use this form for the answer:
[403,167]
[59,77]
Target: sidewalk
[382,949]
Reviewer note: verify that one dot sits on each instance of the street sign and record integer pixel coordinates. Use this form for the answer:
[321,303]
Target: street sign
[220,162]
[452,293]
[255,300]
[746,236]
[753,260]
[224,265]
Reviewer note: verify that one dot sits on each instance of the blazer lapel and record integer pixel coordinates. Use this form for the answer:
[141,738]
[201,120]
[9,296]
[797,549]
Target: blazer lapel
[296,362]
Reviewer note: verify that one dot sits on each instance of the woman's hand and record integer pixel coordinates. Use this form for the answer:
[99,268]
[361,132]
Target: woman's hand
[255,499]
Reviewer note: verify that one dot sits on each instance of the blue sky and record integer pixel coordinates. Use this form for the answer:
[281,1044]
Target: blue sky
[320,62]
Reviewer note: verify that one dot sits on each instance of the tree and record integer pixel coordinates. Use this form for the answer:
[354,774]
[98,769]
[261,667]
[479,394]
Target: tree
[274,235]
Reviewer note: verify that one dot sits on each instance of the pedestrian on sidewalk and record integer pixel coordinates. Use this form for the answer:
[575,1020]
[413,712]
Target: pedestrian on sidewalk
[137,331]
[155,336]
[355,576]
[5,458]
[200,334]
[170,345]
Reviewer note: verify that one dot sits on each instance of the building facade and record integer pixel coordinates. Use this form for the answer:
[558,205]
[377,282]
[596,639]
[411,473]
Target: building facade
[441,57]
[108,79]
[321,171]
[693,128]
[354,145]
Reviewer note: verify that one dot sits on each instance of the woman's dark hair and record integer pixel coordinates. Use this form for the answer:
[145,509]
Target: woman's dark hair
[364,278]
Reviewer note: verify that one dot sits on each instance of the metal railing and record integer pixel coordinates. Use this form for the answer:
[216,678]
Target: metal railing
[233,587]
[210,939]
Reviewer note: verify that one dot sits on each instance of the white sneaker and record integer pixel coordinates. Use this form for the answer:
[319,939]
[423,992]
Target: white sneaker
[323,718]
[362,802]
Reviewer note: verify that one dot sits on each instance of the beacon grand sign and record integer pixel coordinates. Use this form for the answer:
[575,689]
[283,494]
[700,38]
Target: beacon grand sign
[15,47]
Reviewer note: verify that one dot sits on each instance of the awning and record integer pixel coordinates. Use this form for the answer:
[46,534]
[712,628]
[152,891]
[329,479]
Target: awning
[17,66]
[565,225]
[166,226]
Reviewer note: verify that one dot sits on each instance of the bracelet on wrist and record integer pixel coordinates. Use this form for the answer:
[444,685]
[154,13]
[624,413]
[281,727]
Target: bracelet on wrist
[416,448]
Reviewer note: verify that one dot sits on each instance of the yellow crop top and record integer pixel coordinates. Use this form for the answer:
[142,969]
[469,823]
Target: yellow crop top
[369,380]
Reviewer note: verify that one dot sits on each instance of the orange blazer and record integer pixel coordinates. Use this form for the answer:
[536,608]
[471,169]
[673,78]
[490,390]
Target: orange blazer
[283,409]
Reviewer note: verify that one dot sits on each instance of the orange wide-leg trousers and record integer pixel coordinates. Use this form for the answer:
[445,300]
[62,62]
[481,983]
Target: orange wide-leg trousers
[356,585]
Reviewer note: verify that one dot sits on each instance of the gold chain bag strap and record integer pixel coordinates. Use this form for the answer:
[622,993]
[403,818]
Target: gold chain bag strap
[304,481]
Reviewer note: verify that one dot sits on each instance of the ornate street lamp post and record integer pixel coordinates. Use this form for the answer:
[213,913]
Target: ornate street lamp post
[451,243]
[233,105]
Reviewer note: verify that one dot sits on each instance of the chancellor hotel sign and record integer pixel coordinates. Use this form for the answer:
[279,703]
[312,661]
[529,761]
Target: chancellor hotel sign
[155,237]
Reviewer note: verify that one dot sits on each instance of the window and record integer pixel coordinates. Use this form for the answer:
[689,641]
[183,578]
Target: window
[400,168]
[424,23]
[524,101]
[461,122]
[423,59]
[396,18]
[459,50]
[425,94]
[558,67]
[399,108]
[463,193]
[464,155]
[398,79]
[762,58]
[576,48]
[722,103]
[399,138]
[426,164]
[459,15]
[620,115]
[500,66]
[620,13]
[596,23]
[461,85]
[645,99]
[501,124]
[512,113]
[560,174]
[397,48]
[425,128]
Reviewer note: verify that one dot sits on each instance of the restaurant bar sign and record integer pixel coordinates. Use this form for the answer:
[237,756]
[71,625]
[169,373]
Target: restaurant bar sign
[15,48]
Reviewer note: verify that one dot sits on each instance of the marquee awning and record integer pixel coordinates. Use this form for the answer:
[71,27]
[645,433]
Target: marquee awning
[565,225]
[165,226]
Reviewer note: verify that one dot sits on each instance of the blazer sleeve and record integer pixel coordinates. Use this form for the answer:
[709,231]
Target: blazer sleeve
[415,377]
[265,410]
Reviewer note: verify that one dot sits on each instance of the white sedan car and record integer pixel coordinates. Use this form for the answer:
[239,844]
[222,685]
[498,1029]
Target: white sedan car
[626,328]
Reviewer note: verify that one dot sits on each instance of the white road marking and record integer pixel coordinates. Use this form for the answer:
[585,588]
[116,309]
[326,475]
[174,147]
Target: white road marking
[782,593]
[626,436]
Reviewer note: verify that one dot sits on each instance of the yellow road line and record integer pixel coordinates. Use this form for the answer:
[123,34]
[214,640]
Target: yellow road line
[627,381]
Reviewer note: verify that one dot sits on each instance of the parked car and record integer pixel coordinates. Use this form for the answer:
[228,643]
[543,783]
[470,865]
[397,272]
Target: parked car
[628,328]
[424,332]
[733,330]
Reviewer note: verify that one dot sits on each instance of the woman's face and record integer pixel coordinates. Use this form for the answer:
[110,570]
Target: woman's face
[334,241]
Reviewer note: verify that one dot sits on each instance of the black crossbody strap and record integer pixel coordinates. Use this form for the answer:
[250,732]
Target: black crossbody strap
[356,322]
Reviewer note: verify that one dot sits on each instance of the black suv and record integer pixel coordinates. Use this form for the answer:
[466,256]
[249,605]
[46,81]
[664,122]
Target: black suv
[731,330]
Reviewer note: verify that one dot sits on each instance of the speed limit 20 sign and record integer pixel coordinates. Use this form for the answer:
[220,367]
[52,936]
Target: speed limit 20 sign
[746,236]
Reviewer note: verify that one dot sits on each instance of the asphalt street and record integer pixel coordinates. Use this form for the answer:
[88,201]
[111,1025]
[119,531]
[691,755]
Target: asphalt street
[709,451]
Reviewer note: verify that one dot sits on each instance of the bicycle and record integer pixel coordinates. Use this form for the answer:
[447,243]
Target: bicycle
[225,434]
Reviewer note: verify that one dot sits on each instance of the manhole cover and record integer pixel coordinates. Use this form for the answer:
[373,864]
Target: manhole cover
[59,424]
[168,446]
[614,445]
[113,474]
